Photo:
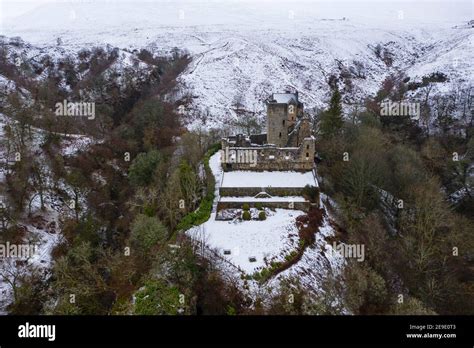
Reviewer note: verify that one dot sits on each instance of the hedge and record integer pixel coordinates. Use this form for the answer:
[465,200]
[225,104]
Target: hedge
[203,212]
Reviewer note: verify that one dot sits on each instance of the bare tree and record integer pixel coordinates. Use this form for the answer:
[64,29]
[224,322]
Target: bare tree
[14,271]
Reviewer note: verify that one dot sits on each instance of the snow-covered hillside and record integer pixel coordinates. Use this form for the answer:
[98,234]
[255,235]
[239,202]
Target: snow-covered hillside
[241,249]
[41,62]
[246,50]
[40,227]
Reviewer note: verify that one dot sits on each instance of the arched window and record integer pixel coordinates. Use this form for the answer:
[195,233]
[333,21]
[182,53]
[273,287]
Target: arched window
[280,135]
[283,122]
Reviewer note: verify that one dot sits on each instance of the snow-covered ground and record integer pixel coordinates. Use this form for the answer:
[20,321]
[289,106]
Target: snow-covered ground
[319,261]
[266,240]
[268,179]
[43,232]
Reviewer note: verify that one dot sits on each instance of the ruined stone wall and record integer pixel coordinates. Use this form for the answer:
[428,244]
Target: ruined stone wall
[304,131]
[270,158]
[304,206]
[253,191]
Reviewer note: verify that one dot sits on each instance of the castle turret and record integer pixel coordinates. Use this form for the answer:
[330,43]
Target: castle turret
[308,150]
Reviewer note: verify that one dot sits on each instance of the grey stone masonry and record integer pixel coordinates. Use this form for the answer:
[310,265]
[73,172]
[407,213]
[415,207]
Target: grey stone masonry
[287,146]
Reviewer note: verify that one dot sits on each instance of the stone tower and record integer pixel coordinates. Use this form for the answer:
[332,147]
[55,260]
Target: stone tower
[304,130]
[283,110]
[308,150]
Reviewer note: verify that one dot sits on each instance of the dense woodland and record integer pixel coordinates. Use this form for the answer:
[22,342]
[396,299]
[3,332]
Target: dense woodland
[129,192]
[130,195]
[390,182]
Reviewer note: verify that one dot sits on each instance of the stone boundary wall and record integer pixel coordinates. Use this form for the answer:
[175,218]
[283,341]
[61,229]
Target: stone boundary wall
[252,191]
[304,206]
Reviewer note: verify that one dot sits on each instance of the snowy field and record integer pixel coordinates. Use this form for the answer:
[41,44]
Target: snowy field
[268,179]
[268,240]
[318,261]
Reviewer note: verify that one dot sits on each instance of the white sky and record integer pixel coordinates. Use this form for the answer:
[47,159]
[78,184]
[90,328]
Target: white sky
[13,8]
[46,19]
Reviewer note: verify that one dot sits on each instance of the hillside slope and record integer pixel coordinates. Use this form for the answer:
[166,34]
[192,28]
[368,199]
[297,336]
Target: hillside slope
[245,51]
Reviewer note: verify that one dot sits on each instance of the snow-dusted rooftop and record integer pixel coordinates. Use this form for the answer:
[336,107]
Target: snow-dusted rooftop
[285,98]
[268,179]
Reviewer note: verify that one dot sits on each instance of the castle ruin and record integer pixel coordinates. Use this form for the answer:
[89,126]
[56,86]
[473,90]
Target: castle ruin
[287,145]
[274,168]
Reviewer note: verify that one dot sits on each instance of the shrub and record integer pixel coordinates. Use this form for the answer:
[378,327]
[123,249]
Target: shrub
[262,216]
[259,206]
[245,207]
[311,193]
[427,79]
[246,215]
[147,231]
[274,266]
[51,139]
[231,310]
[291,255]
[143,167]
[306,236]
[157,298]
[262,275]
